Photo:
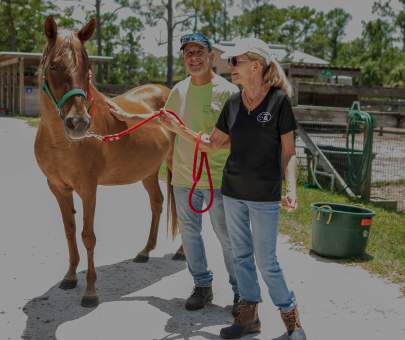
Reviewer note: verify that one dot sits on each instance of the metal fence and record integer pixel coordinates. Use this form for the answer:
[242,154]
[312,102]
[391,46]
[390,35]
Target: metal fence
[386,182]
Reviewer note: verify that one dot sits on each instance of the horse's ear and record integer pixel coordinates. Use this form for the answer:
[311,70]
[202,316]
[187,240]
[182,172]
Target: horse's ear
[51,30]
[87,31]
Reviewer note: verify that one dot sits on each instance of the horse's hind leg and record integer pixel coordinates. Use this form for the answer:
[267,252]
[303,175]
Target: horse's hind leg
[64,197]
[151,185]
[180,255]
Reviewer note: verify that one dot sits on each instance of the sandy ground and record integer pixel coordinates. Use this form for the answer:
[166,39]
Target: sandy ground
[145,301]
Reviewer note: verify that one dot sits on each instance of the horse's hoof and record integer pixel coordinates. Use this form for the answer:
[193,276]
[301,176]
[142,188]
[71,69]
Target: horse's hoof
[141,258]
[89,301]
[179,257]
[68,284]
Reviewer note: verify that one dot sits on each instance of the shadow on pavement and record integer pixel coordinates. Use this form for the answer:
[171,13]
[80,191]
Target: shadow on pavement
[47,312]
[185,324]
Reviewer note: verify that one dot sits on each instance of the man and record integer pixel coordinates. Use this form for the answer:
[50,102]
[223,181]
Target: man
[198,100]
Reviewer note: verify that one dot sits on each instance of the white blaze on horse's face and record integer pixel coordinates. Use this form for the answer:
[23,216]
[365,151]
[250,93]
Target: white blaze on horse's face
[67,76]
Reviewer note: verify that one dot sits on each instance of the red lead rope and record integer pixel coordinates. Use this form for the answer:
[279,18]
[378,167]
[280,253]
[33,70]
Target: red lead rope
[196,174]
[196,177]
[90,99]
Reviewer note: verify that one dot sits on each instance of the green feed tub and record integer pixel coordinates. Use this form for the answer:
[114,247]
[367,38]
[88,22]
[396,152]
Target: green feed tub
[340,230]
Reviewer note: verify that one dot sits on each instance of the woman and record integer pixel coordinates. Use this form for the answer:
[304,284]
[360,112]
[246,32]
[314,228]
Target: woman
[258,124]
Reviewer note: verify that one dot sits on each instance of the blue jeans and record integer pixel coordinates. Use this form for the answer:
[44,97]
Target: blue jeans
[191,227]
[258,241]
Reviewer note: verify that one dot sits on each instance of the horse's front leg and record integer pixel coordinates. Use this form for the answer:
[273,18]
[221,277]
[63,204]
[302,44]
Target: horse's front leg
[64,196]
[88,196]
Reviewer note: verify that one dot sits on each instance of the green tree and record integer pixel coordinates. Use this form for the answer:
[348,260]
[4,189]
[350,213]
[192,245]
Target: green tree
[385,10]
[257,18]
[374,53]
[337,20]
[302,28]
[299,24]
[127,59]
[266,26]
[378,37]
[119,39]
[107,29]
[21,23]
[214,18]
[326,35]
[177,17]
[351,54]
[317,42]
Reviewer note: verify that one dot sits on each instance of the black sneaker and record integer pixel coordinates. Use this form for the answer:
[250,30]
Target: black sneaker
[236,300]
[199,298]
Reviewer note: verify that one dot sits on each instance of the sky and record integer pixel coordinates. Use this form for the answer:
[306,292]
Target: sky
[360,10]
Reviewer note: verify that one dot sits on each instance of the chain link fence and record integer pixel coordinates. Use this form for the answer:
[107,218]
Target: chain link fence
[386,178]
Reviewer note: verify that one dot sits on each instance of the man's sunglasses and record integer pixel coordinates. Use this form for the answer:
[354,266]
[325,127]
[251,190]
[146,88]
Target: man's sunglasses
[234,61]
[195,37]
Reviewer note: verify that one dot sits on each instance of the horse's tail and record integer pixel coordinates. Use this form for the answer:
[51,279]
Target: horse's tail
[171,206]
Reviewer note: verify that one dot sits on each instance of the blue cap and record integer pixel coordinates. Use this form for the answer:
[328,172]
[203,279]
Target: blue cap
[197,38]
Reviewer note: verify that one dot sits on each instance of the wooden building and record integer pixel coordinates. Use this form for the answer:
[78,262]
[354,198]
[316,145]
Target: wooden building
[302,68]
[19,93]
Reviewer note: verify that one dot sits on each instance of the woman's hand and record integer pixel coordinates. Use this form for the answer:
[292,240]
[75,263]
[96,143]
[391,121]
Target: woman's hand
[289,204]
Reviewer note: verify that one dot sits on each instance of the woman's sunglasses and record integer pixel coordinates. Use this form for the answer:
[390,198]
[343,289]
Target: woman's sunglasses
[234,61]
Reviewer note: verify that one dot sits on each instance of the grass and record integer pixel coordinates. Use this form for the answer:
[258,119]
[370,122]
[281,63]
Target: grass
[31,121]
[386,244]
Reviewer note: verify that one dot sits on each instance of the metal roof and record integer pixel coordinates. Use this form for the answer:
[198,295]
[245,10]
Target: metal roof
[280,52]
[5,55]
[321,66]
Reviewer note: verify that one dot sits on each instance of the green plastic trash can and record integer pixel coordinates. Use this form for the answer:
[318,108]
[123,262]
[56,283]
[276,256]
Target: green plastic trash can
[340,230]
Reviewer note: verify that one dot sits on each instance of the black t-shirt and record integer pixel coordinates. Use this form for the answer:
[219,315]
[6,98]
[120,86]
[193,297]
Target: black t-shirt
[253,169]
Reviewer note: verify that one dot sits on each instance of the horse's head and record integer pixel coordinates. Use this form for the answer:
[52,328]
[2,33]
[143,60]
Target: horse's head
[65,72]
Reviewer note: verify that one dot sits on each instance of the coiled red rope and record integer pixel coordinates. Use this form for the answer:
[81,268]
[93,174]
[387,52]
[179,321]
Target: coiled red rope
[196,174]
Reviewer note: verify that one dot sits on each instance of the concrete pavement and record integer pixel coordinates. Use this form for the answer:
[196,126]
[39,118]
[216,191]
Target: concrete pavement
[145,301]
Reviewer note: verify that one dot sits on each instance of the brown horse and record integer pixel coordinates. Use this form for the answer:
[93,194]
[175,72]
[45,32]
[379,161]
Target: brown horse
[74,163]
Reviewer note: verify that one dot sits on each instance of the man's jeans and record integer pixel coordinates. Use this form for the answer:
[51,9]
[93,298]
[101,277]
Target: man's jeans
[260,243]
[191,227]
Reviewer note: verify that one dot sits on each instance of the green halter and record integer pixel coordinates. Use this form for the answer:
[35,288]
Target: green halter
[59,103]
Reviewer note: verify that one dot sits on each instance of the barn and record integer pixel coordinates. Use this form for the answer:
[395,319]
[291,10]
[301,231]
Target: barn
[19,83]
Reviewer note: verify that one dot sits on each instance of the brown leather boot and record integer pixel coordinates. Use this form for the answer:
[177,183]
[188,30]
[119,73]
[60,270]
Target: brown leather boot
[246,321]
[292,323]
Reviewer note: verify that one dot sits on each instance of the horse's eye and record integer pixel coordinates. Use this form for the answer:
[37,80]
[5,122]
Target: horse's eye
[53,67]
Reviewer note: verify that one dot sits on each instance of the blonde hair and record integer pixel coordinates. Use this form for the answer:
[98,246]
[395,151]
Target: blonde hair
[273,74]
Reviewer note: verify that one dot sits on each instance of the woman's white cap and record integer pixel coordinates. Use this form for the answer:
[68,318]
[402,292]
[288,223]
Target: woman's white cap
[245,45]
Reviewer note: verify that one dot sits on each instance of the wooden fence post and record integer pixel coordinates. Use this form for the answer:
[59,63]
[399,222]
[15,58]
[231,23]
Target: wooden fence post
[2,87]
[8,76]
[14,86]
[21,96]
[295,86]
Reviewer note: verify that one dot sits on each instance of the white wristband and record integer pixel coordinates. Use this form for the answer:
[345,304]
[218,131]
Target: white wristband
[205,138]
[291,178]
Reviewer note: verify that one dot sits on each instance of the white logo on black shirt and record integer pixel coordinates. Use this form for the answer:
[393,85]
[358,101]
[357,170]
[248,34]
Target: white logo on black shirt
[264,117]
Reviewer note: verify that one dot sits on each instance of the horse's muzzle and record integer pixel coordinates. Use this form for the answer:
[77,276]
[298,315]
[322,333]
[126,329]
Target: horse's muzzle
[76,127]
